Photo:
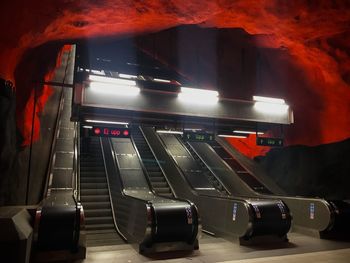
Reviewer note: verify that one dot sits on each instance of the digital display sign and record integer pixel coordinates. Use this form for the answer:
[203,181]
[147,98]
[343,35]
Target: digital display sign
[198,137]
[110,132]
[274,142]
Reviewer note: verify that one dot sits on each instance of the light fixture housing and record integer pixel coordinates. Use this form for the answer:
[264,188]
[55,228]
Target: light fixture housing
[115,86]
[269,100]
[127,76]
[248,132]
[162,80]
[269,105]
[232,136]
[198,96]
[107,122]
[169,132]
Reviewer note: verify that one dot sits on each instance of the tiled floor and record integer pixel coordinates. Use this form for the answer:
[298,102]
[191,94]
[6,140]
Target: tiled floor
[301,248]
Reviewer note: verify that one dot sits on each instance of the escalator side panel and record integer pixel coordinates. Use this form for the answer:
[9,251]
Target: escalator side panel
[187,164]
[308,213]
[130,214]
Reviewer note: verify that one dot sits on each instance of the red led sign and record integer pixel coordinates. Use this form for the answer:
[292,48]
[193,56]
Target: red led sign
[110,132]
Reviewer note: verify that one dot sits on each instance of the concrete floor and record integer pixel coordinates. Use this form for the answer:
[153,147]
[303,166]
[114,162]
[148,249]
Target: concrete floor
[301,248]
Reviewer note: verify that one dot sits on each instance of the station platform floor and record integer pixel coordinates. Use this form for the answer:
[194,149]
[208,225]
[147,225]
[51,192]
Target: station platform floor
[300,248]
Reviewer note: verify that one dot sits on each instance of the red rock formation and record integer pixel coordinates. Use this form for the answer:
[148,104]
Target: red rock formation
[313,34]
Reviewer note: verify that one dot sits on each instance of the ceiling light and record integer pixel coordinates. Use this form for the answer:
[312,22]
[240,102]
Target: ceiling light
[162,80]
[101,79]
[127,76]
[248,132]
[169,132]
[108,122]
[232,136]
[198,96]
[271,108]
[116,89]
[269,100]
[98,72]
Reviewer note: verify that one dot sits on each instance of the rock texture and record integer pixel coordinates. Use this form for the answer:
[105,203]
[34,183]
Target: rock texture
[311,171]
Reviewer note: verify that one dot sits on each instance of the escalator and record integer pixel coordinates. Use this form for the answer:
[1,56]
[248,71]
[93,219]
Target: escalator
[251,220]
[119,204]
[95,198]
[325,217]
[156,176]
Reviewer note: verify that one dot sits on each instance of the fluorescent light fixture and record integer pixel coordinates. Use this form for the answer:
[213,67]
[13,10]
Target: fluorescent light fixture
[232,136]
[162,80]
[108,122]
[271,108]
[247,132]
[110,88]
[87,127]
[101,79]
[198,96]
[269,100]
[127,76]
[98,72]
[192,129]
[169,132]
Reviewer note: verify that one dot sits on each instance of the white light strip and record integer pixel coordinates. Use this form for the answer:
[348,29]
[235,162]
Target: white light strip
[198,96]
[116,89]
[192,129]
[271,108]
[199,92]
[127,76]
[101,79]
[162,80]
[169,132]
[248,132]
[98,72]
[87,127]
[270,100]
[232,136]
[108,122]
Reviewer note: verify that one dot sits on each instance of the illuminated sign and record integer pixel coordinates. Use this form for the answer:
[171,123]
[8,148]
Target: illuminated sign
[110,132]
[264,141]
[199,137]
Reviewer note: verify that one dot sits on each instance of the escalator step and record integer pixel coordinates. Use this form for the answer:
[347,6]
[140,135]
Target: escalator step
[166,194]
[88,192]
[162,190]
[94,198]
[92,168]
[98,212]
[154,179]
[89,164]
[99,220]
[94,185]
[92,174]
[96,205]
[153,169]
[159,184]
[99,227]
[88,180]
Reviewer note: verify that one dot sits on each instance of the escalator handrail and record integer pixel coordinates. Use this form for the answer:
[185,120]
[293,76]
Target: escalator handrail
[188,151]
[76,162]
[109,192]
[233,198]
[116,168]
[49,173]
[210,169]
[243,166]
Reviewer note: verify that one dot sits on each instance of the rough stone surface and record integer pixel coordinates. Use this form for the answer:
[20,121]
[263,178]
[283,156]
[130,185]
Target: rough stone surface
[321,171]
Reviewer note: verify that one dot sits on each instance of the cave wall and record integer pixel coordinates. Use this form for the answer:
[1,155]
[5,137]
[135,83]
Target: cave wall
[318,171]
